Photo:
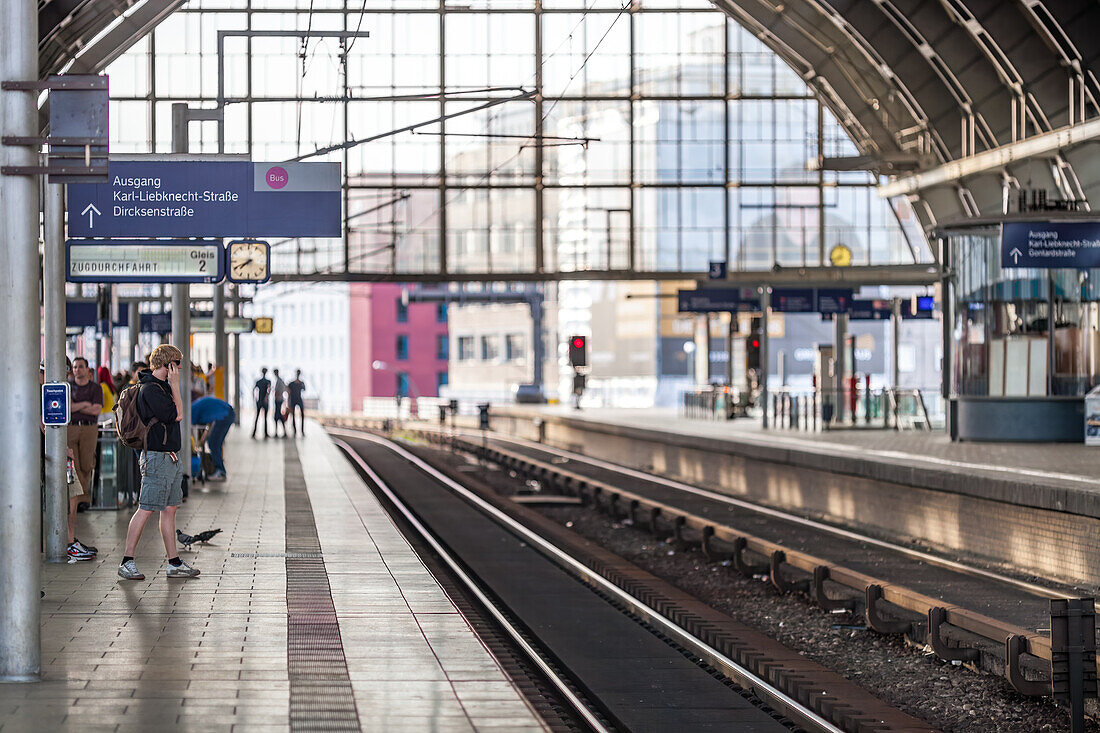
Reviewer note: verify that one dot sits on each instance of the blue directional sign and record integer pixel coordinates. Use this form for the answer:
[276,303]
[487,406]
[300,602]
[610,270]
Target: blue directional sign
[714,300]
[200,198]
[783,300]
[871,310]
[811,300]
[55,403]
[834,300]
[794,300]
[1069,244]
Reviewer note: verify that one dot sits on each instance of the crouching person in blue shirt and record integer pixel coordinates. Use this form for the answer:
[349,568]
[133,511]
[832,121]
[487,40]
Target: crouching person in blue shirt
[219,415]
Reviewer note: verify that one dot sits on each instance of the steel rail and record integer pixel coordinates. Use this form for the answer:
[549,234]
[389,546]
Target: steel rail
[899,595]
[533,655]
[1032,588]
[744,677]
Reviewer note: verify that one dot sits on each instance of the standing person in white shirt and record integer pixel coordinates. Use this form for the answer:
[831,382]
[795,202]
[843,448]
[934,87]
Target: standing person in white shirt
[279,394]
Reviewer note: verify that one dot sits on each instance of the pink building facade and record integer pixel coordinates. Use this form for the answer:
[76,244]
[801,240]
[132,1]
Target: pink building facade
[409,340]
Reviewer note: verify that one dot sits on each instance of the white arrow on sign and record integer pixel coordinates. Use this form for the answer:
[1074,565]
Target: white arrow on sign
[1015,255]
[91,211]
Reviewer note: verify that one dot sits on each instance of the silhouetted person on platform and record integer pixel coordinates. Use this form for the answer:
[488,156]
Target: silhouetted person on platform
[261,391]
[279,397]
[295,390]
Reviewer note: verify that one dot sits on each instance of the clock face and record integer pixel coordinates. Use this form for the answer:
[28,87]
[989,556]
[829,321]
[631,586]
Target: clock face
[248,262]
[840,256]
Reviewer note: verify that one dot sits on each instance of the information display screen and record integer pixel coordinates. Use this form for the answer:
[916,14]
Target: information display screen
[145,261]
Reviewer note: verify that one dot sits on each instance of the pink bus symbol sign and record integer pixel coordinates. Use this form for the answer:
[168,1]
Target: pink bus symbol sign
[277,177]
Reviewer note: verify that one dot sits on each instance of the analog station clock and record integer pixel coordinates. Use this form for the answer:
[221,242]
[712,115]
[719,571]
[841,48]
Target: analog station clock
[840,255]
[248,261]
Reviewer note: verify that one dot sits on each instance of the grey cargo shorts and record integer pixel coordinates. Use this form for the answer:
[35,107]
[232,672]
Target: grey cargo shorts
[161,481]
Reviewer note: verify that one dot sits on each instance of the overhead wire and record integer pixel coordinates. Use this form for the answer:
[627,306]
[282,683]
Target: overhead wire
[520,147]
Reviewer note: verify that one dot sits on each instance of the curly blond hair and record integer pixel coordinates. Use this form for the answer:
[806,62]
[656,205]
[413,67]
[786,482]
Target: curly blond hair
[164,354]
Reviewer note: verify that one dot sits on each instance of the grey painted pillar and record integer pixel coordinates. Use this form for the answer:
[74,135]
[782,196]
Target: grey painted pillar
[134,318]
[236,399]
[765,306]
[56,509]
[181,310]
[729,348]
[221,341]
[181,338]
[538,343]
[20,496]
[895,325]
[840,359]
[702,349]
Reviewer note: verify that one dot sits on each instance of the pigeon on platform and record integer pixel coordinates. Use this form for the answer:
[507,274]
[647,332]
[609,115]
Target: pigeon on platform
[187,540]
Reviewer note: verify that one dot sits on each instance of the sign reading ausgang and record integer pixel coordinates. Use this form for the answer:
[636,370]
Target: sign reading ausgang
[1070,244]
[144,261]
[201,198]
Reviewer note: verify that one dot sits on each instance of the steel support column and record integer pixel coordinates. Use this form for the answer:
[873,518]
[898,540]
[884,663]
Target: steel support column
[221,340]
[181,311]
[841,365]
[20,498]
[134,319]
[765,306]
[56,509]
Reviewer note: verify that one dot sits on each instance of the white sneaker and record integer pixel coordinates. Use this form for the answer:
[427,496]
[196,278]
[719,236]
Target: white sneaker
[183,570]
[128,571]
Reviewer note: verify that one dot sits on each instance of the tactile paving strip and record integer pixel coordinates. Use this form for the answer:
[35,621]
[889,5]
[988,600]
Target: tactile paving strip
[321,696]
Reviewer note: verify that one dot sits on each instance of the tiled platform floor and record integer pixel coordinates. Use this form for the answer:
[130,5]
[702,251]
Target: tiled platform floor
[209,654]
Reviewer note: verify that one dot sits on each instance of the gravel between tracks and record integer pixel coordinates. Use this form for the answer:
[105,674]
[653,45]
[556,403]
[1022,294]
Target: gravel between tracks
[951,698]
[948,697]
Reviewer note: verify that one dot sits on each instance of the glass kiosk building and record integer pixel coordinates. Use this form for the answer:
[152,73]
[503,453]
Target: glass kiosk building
[1021,342]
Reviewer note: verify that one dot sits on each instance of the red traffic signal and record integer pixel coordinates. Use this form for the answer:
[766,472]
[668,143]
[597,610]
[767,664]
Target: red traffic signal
[578,351]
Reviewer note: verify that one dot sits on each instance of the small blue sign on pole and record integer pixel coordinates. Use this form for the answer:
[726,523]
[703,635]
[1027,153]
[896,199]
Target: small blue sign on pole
[55,403]
[209,198]
[1046,245]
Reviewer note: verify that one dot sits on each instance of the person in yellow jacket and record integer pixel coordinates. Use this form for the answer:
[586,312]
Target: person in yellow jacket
[107,384]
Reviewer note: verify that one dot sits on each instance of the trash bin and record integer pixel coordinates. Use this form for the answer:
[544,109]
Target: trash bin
[114,489]
[1092,417]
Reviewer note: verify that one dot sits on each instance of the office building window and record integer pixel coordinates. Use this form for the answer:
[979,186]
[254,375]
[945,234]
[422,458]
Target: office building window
[402,346]
[442,347]
[440,381]
[403,384]
[402,310]
[515,346]
[466,348]
[440,312]
[490,348]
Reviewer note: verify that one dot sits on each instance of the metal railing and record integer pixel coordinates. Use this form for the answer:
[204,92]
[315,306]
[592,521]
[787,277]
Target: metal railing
[813,410]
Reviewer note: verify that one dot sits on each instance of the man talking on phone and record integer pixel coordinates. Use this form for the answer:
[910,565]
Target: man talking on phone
[159,406]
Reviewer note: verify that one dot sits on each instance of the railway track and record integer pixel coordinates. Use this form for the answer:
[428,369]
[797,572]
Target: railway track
[636,653]
[964,613]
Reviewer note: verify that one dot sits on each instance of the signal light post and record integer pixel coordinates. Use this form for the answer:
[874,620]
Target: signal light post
[578,358]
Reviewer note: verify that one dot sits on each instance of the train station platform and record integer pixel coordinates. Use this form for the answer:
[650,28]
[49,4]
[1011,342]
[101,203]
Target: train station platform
[1032,507]
[311,607]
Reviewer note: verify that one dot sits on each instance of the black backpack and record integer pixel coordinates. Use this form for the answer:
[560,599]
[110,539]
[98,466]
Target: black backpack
[132,430]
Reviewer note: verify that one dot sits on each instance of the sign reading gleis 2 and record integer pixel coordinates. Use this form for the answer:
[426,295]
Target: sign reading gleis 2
[200,198]
[145,261]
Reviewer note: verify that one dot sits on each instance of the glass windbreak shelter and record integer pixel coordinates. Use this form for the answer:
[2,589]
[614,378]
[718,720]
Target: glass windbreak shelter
[1023,343]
